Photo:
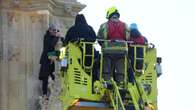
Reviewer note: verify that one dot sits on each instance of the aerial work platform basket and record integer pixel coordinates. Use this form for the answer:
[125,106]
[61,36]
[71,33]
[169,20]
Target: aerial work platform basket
[85,89]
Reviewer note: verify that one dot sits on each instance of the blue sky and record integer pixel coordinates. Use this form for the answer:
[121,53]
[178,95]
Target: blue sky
[170,25]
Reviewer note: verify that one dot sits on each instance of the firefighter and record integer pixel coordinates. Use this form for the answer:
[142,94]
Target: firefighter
[113,52]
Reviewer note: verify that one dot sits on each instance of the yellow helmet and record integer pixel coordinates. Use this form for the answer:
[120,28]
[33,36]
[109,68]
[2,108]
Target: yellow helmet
[111,11]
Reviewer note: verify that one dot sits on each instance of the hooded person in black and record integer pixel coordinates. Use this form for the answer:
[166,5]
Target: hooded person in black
[47,65]
[80,30]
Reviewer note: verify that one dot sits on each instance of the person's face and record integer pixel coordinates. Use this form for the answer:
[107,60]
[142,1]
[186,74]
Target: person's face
[54,31]
[114,18]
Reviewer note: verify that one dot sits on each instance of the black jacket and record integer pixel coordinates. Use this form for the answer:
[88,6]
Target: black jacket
[80,30]
[47,67]
[49,43]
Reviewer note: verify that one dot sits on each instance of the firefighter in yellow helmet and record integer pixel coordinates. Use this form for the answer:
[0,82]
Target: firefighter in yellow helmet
[113,52]
[111,11]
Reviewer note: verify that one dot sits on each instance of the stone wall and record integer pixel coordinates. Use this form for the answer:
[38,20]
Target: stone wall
[22,26]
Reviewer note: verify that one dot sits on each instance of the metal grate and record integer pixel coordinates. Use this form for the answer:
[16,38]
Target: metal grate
[78,77]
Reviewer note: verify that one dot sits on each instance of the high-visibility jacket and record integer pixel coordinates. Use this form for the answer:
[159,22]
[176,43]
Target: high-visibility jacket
[112,31]
[116,31]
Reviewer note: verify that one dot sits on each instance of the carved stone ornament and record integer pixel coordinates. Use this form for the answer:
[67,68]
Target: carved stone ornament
[36,18]
[13,16]
[13,54]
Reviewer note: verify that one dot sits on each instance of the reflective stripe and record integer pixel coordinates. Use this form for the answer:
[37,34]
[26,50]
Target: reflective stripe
[105,30]
[127,32]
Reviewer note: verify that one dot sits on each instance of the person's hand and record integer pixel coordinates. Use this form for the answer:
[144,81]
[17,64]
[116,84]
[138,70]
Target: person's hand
[113,40]
[53,58]
[59,34]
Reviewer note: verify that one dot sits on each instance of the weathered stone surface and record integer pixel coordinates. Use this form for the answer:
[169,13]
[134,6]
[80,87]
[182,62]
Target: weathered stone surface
[22,26]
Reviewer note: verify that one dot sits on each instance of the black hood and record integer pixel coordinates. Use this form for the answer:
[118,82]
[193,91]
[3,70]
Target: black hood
[80,19]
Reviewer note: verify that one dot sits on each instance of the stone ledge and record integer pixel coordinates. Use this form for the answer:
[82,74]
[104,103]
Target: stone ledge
[56,7]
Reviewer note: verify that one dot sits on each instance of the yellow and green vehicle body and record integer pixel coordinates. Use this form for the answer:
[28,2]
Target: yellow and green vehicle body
[81,92]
